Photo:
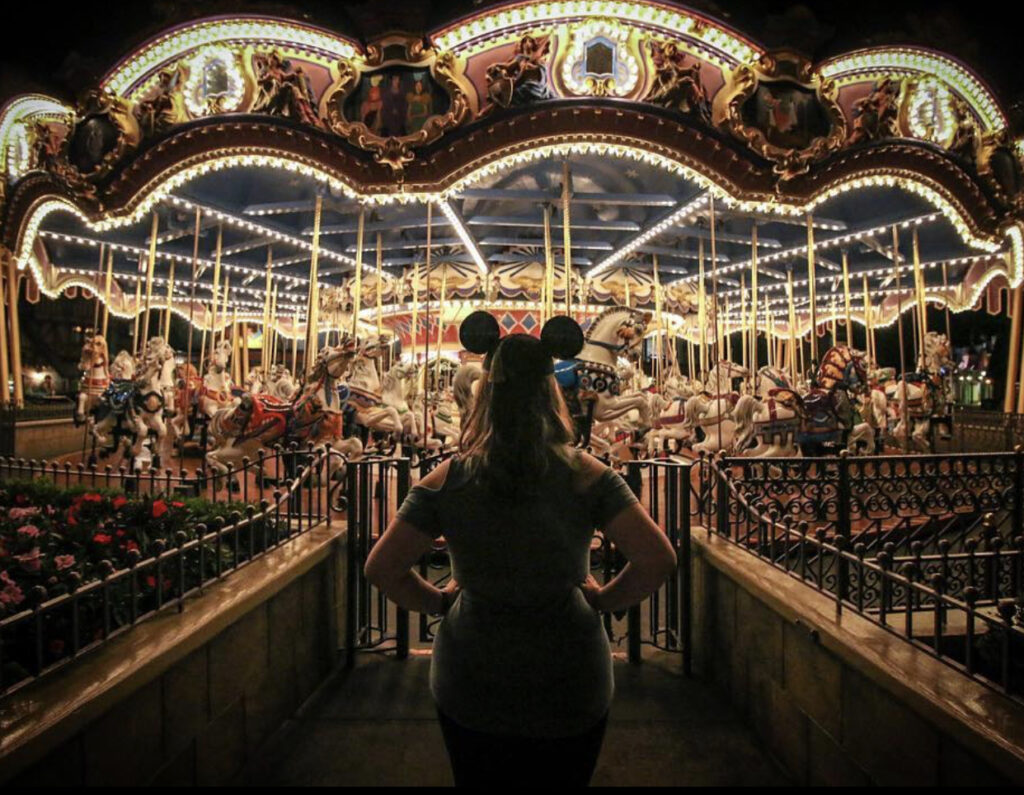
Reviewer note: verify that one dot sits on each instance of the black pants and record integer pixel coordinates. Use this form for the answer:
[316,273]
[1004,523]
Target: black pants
[481,759]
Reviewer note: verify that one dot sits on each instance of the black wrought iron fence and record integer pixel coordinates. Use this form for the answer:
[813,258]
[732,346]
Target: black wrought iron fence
[961,606]
[377,486]
[42,631]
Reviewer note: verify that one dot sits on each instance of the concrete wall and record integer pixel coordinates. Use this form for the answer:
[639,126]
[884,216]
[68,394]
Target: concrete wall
[204,716]
[842,702]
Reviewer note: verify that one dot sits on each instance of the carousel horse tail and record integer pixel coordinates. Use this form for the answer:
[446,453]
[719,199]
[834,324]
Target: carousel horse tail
[743,415]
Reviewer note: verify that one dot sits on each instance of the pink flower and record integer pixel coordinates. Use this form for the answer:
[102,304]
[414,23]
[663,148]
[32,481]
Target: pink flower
[119,502]
[29,530]
[159,508]
[10,593]
[102,538]
[31,561]
[64,562]
[17,514]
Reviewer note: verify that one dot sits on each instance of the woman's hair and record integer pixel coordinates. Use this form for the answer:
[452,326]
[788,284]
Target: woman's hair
[519,427]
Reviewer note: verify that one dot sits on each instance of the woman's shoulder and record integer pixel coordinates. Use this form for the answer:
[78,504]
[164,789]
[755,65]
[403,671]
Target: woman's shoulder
[587,471]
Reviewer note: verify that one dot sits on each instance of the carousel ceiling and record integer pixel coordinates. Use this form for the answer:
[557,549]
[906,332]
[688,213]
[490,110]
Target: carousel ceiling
[649,142]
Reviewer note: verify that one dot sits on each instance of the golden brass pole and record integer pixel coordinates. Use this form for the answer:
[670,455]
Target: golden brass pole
[702,312]
[567,236]
[792,328]
[15,332]
[357,294]
[265,349]
[548,304]
[107,284]
[426,335]
[658,347]
[313,313]
[812,287]
[380,286]
[136,349]
[170,303]
[846,297]
[922,305]
[96,294]
[149,274]
[5,373]
[753,306]
[216,287]
[714,278]
[899,325]
[1012,363]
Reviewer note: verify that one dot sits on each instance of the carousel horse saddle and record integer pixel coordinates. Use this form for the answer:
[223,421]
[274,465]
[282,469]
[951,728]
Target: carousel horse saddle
[817,406]
[120,394]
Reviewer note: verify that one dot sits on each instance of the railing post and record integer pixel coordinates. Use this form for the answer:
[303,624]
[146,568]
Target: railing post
[351,589]
[842,570]
[685,571]
[402,617]
[634,478]
[722,490]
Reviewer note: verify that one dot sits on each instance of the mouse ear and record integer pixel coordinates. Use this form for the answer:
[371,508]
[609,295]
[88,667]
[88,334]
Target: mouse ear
[479,332]
[562,337]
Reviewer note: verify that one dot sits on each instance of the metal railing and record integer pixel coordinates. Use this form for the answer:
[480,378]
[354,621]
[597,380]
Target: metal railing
[959,604]
[51,632]
[981,430]
[376,488]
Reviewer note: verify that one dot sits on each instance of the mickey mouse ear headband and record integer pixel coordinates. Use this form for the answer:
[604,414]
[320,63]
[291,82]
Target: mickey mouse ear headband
[561,337]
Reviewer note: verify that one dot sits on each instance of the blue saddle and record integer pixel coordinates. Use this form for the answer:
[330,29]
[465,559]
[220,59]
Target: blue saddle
[119,394]
[566,374]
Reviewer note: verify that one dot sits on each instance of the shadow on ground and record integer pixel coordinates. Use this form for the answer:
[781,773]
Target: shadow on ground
[376,725]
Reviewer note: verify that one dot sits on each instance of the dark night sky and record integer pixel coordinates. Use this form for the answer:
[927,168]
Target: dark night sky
[76,43]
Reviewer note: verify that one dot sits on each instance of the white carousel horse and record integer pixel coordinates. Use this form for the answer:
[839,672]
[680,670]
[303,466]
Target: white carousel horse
[770,417]
[712,410]
[362,391]
[668,408]
[155,384]
[447,420]
[592,377]
[94,365]
[114,409]
[135,405]
[465,386]
[259,421]
[255,383]
[925,392]
[216,393]
[394,391]
[281,383]
[123,367]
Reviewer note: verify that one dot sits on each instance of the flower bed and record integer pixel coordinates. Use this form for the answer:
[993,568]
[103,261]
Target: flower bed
[112,556]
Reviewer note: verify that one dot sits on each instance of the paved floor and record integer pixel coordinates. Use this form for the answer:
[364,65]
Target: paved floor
[376,725]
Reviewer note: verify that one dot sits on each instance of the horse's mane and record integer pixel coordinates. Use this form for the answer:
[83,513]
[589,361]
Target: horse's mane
[608,313]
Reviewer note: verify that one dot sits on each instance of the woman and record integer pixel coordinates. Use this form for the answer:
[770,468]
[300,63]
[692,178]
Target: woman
[521,668]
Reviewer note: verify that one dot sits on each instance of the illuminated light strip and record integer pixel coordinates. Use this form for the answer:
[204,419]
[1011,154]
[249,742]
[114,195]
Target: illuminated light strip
[688,211]
[467,239]
[885,270]
[252,226]
[475,31]
[176,43]
[131,277]
[824,244]
[873,63]
[164,255]
[1015,234]
[907,181]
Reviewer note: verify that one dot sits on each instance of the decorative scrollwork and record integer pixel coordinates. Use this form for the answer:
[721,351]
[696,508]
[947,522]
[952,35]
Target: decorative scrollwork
[783,112]
[391,121]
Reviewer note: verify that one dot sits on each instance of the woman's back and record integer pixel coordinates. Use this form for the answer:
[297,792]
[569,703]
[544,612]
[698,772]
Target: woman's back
[521,651]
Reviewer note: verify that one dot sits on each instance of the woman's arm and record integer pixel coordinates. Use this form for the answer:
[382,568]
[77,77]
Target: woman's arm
[389,567]
[390,563]
[650,557]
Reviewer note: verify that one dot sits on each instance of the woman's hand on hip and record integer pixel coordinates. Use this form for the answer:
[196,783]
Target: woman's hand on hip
[591,590]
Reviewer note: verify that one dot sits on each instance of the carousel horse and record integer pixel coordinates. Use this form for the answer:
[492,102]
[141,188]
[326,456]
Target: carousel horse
[255,383]
[281,383]
[447,425]
[362,392]
[186,399]
[465,385]
[770,418]
[712,409]
[668,408]
[216,393]
[94,365]
[590,381]
[394,392]
[131,407]
[784,422]
[156,387]
[926,392]
[260,421]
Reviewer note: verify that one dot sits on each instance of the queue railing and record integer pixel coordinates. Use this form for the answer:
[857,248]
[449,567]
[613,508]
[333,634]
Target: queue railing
[44,633]
[961,605]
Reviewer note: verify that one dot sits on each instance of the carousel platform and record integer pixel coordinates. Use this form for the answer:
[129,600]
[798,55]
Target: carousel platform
[376,725]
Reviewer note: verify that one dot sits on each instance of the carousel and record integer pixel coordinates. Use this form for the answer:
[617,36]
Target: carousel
[281,230]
